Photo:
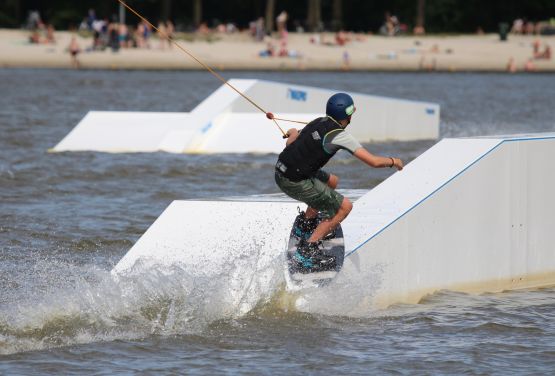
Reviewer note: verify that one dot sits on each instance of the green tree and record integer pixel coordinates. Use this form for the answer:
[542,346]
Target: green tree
[197,12]
[270,12]
[10,13]
[166,10]
[358,15]
[314,14]
[337,15]
[420,13]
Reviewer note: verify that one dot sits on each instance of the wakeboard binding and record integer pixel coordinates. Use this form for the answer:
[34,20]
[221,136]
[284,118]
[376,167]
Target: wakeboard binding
[310,258]
[303,227]
[313,264]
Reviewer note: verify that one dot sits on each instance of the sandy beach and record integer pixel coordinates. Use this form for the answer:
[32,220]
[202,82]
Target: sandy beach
[240,52]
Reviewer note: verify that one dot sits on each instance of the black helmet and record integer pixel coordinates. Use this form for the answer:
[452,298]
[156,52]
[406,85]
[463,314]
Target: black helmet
[340,106]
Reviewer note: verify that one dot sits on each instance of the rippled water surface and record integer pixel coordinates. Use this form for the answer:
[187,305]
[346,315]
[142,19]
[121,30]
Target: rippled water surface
[66,219]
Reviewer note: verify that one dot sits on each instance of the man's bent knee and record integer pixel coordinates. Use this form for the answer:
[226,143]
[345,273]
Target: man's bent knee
[333,181]
[346,206]
[344,209]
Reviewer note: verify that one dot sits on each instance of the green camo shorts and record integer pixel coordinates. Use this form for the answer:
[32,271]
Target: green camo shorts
[314,192]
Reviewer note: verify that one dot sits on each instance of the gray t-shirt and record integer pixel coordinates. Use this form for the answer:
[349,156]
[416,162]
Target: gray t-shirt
[340,139]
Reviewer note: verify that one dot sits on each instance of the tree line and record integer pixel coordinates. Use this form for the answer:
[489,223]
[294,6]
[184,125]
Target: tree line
[436,16]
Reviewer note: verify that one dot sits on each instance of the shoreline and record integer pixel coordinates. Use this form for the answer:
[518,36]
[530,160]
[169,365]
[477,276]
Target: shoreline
[238,52]
[269,70]
[279,69]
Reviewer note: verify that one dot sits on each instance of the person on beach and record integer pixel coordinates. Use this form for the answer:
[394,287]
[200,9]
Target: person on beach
[74,50]
[511,65]
[50,37]
[34,38]
[281,22]
[545,54]
[170,30]
[162,35]
[113,36]
[123,35]
[299,174]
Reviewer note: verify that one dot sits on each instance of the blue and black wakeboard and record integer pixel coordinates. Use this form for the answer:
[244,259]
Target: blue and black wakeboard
[302,273]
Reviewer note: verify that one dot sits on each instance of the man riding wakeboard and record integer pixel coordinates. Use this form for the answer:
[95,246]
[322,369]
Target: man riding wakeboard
[299,175]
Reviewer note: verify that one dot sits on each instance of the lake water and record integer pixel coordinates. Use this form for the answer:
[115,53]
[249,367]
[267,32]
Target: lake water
[66,219]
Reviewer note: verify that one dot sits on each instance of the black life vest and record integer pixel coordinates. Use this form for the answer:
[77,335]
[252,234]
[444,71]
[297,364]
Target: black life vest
[306,155]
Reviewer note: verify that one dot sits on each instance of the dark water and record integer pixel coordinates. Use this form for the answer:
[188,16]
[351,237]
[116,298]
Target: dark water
[66,220]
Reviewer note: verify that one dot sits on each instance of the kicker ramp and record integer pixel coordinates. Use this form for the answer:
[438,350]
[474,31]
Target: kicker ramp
[471,215]
[226,123]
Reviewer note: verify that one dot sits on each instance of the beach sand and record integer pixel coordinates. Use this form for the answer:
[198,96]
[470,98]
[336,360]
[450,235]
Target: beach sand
[240,52]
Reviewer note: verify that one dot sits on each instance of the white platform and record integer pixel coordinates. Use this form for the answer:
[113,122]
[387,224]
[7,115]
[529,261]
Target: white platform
[471,215]
[226,123]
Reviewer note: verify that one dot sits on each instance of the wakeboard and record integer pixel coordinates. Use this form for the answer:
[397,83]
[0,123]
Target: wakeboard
[301,275]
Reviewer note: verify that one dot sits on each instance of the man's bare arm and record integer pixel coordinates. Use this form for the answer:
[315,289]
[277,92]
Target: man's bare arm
[377,161]
[292,135]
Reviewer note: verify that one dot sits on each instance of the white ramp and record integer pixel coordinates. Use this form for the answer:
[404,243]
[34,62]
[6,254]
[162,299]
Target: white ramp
[236,243]
[377,118]
[470,215]
[237,132]
[203,234]
[125,132]
[225,121]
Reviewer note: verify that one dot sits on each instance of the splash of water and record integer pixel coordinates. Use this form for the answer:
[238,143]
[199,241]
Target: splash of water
[66,304]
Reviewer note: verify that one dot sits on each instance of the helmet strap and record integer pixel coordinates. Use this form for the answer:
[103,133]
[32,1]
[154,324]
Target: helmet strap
[335,121]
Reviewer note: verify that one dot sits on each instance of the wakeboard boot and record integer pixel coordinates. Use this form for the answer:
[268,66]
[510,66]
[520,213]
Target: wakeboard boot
[304,227]
[310,258]
[330,235]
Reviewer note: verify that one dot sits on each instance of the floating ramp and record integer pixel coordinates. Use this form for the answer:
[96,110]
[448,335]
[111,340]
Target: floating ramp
[226,123]
[471,215]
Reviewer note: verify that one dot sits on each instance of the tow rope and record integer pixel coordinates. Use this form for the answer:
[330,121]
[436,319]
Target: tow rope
[268,114]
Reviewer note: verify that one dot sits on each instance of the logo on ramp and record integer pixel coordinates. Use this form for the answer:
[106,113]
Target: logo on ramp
[297,95]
